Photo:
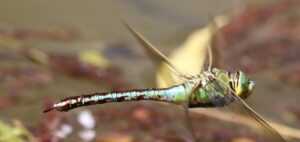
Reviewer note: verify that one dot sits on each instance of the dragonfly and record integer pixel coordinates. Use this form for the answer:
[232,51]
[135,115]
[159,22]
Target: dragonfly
[209,89]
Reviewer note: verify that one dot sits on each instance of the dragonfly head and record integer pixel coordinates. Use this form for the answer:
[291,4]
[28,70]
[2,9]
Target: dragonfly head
[242,85]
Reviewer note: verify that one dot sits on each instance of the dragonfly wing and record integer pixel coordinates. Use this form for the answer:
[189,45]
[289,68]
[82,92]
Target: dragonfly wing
[156,56]
[159,60]
[240,110]
[195,54]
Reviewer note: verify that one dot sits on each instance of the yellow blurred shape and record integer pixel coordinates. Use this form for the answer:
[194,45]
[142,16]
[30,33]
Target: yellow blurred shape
[242,139]
[10,133]
[38,56]
[93,57]
[10,42]
[115,138]
[191,55]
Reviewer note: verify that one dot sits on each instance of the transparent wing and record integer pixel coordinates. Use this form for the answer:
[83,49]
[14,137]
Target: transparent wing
[160,59]
[239,108]
[156,56]
[195,53]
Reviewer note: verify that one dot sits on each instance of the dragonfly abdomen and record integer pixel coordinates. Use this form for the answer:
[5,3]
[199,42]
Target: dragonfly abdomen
[165,94]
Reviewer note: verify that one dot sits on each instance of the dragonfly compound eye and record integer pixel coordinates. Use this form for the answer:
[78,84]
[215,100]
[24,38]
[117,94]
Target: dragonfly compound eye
[244,87]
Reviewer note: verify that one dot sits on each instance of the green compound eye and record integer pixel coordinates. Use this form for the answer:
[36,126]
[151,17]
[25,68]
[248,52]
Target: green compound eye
[244,87]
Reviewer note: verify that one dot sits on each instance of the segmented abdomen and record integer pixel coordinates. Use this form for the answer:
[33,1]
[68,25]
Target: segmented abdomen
[172,95]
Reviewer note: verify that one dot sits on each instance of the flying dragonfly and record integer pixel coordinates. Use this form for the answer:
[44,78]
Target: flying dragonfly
[210,88]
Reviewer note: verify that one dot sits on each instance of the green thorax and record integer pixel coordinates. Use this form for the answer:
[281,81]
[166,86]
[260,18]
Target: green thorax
[211,90]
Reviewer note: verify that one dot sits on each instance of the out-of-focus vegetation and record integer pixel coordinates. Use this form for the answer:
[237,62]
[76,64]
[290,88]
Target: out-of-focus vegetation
[15,133]
[42,63]
[10,134]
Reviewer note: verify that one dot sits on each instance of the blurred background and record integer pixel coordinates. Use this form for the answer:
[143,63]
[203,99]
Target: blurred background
[50,50]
